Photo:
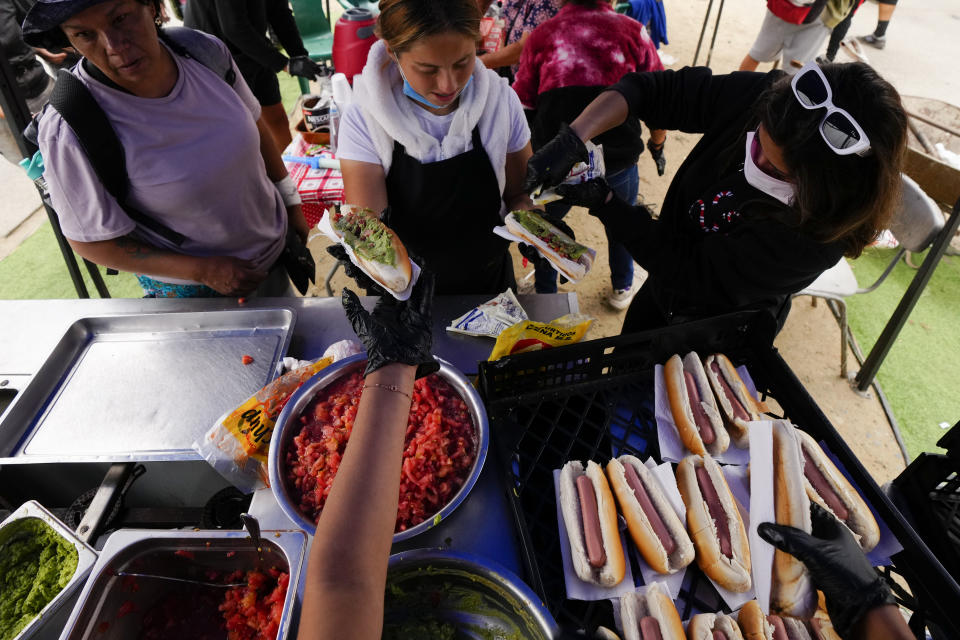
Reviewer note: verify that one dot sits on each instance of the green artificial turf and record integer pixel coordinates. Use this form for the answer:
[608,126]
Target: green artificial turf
[919,375]
[36,270]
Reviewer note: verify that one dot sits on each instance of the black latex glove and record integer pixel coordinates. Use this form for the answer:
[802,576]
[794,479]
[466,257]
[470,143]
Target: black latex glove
[304,67]
[396,331]
[552,162]
[591,194]
[656,150]
[531,253]
[354,272]
[837,565]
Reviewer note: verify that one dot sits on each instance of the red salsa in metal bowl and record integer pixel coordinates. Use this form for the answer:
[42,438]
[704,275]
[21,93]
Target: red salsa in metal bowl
[439,449]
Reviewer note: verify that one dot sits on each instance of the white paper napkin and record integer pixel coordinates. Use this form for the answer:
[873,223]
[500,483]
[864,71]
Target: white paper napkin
[761,508]
[577,589]
[324,227]
[671,447]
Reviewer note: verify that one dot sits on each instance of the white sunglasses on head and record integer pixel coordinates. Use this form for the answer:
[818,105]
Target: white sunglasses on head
[840,131]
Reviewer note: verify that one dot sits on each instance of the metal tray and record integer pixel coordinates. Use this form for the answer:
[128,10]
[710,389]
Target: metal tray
[143,386]
[55,611]
[109,599]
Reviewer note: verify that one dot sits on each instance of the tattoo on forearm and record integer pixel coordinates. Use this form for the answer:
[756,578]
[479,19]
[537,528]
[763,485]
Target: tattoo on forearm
[135,249]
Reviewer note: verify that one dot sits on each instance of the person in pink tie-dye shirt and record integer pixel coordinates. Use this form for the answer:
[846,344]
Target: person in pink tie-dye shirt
[567,61]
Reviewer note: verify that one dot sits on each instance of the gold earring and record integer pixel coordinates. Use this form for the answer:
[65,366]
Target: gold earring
[157,21]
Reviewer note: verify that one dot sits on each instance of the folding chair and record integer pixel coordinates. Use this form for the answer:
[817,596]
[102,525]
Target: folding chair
[916,223]
[314,26]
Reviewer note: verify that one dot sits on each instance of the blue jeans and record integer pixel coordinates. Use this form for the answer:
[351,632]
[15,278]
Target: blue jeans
[625,184]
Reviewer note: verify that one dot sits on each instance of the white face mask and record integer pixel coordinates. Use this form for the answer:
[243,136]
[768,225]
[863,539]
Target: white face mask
[758,179]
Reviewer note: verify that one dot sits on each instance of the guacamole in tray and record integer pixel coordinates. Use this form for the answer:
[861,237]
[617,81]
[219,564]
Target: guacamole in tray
[36,563]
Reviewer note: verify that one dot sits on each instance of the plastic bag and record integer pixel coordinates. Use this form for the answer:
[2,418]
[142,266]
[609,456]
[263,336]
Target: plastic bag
[491,317]
[237,445]
[535,336]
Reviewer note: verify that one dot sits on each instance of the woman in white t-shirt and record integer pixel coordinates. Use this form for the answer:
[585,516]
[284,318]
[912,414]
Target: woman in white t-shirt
[438,143]
[209,200]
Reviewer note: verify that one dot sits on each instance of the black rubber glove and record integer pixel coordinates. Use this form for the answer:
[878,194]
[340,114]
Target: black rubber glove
[591,194]
[656,150]
[552,162]
[396,331]
[304,67]
[531,253]
[837,565]
[354,272]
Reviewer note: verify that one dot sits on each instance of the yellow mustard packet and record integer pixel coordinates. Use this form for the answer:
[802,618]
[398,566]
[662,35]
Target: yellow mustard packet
[535,336]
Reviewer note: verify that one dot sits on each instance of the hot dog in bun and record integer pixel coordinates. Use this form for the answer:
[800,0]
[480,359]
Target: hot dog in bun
[571,258]
[590,518]
[653,524]
[376,247]
[828,487]
[714,523]
[736,402]
[791,592]
[693,406]
[754,624]
[650,615]
[713,626]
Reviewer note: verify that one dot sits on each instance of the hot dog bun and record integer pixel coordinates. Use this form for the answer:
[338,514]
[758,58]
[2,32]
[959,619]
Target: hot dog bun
[683,413]
[602,633]
[858,518]
[791,592]
[639,524]
[753,623]
[572,269]
[346,222]
[654,603]
[702,626]
[613,570]
[736,402]
[821,626]
[732,573]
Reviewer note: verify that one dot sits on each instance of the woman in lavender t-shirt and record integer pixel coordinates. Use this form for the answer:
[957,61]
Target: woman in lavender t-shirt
[199,157]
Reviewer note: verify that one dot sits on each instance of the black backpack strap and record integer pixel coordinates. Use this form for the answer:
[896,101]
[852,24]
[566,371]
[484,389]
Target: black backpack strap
[77,106]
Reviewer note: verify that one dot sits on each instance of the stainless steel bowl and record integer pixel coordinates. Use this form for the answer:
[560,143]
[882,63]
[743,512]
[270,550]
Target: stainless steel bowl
[288,426]
[479,598]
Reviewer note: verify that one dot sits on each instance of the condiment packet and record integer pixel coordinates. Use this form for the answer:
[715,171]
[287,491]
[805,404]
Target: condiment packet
[530,335]
[671,447]
[581,172]
[668,483]
[506,235]
[238,443]
[577,589]
[325,227]
[762,508]
[491,317]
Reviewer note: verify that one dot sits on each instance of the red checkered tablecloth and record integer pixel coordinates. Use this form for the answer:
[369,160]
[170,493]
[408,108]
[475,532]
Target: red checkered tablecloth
[319,188]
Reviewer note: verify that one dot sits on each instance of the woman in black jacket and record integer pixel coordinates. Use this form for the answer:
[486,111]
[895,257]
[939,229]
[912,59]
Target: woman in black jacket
[242,25]
[787,178]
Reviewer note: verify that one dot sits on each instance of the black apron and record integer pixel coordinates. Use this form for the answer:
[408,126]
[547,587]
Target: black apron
[445,212]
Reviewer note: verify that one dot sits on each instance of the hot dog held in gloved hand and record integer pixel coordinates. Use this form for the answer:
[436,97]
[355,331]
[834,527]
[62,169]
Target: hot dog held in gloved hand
[376,248]
[569,257]
[590,519]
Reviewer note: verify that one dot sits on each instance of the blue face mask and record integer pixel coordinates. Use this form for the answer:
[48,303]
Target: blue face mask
[410,93]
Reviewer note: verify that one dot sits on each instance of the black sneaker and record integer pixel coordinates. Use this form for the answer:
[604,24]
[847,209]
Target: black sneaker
[878,42]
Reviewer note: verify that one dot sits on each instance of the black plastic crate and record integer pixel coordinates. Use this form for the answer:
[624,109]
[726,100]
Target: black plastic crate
[929,493]
[594,400]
